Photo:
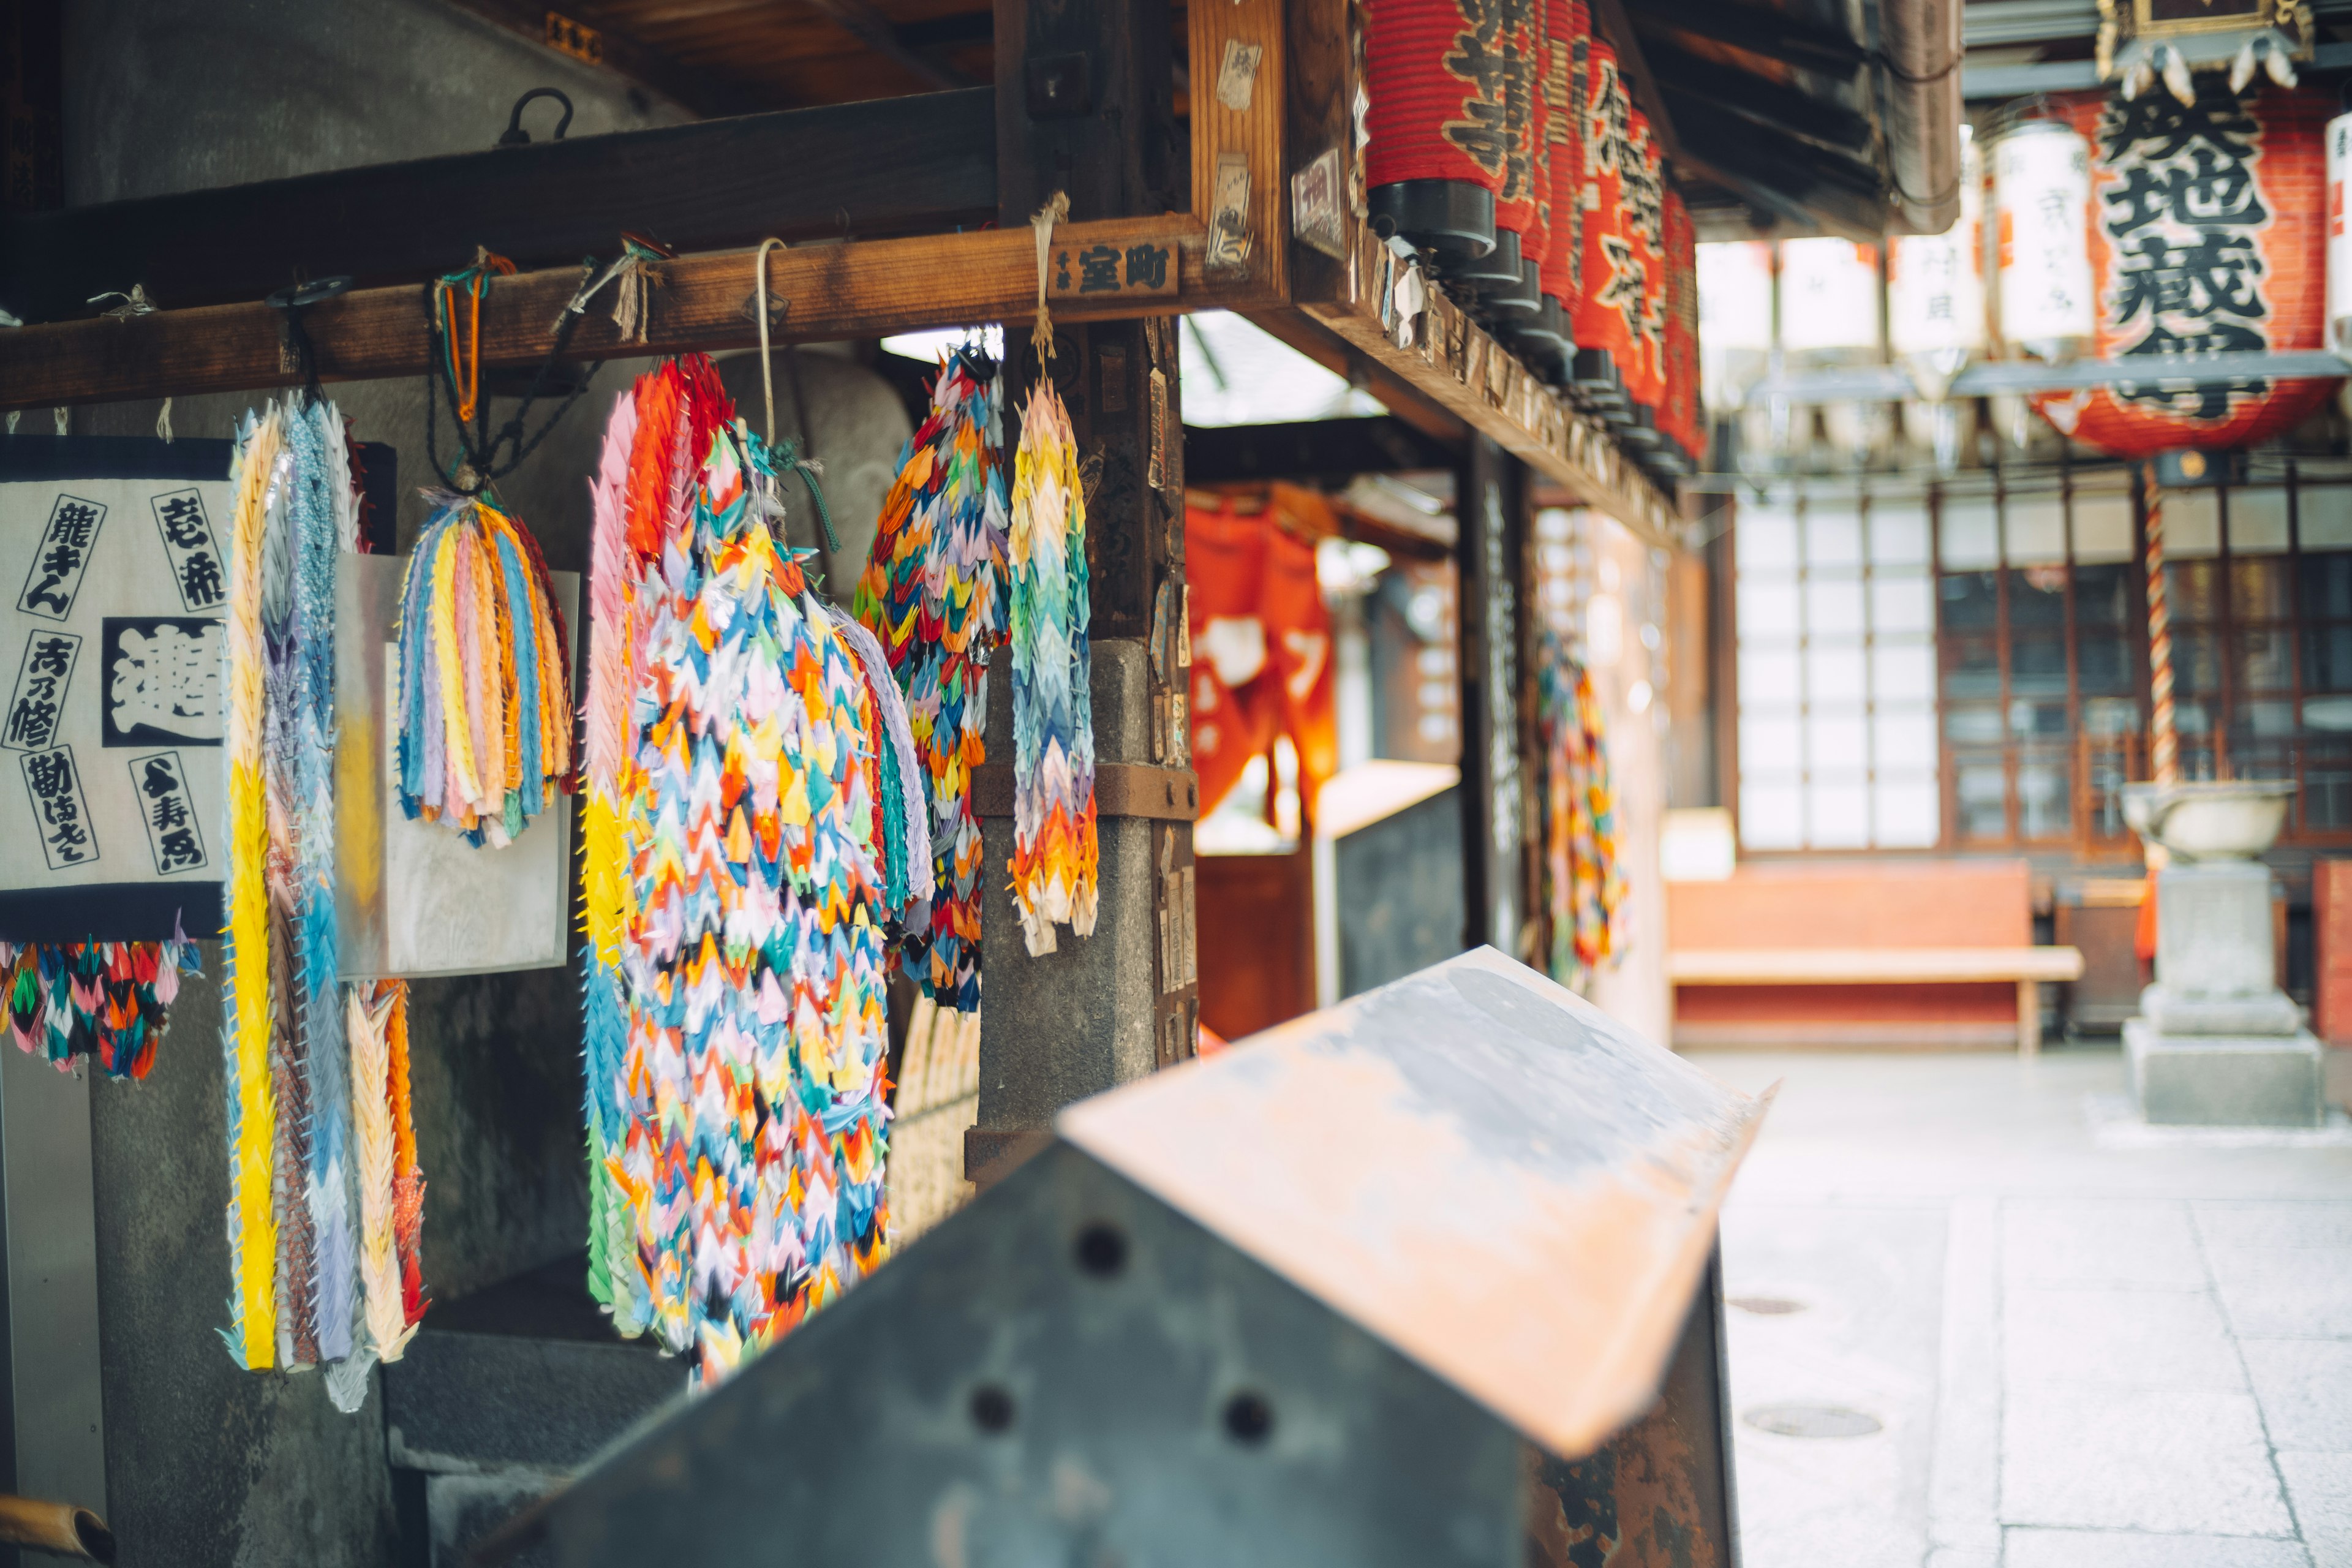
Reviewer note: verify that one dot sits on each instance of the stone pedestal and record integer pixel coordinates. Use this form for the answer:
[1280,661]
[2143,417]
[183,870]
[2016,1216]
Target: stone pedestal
[2225,1081]
[2217,1042]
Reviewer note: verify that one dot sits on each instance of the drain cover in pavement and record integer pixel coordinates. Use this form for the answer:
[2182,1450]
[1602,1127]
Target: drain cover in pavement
[1810,1421]
[1764,1306]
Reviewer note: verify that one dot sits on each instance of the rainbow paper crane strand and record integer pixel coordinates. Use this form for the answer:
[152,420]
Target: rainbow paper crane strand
[1054,841]
[485,688]
[300,1125]
[1584,889]
[751,952]
[905,808]
[103,1000]
[639,493]
[323,522]
[933,596]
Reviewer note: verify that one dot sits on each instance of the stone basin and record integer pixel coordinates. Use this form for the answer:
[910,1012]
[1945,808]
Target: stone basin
[2233,819]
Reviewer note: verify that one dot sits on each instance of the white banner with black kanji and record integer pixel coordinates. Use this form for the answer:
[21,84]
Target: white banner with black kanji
[112,586]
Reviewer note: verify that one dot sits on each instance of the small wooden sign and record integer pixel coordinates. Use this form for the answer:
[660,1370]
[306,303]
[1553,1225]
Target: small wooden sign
[1145,269]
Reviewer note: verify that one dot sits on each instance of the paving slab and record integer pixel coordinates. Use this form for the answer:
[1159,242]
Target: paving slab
[2135,1548]
[2284,1292]
[2320,1486]
[1867,1282]
[2111,1242]
[2084,1456]
[2304,1223]
[2306,1389]
[2121,1338]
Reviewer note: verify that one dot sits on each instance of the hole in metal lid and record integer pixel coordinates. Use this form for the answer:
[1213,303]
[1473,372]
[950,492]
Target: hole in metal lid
[1249,1418]
[1810,1421]
[992,1408]
[1102,1249]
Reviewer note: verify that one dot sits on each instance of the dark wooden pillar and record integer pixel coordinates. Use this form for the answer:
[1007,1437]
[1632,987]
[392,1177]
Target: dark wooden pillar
[1498,782]
[1084,105]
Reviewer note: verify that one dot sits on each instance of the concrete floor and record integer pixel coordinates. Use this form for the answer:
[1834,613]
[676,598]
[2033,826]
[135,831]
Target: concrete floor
[2081,1354]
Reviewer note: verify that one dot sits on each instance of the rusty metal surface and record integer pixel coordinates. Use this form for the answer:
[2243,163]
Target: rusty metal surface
[1660,1493]
[1433,1157]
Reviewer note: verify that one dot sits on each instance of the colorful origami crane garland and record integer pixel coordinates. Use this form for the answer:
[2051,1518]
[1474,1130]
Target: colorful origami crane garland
[1583,885]
[103,1000]
[298,1201]
[738,888]
[933,594]
[485,700]
[1054,845]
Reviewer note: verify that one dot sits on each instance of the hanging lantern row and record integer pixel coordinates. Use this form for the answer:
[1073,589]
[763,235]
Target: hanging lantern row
[1504,146]
[2147,230]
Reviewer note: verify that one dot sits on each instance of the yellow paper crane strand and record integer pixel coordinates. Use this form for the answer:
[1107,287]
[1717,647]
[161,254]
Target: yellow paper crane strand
[456,727]
[253,1230]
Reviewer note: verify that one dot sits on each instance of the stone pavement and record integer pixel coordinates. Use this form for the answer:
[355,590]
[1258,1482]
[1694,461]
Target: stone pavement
[2079,1355]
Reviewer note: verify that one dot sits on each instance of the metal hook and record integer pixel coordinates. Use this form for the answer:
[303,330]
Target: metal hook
[293,299]
[516,136]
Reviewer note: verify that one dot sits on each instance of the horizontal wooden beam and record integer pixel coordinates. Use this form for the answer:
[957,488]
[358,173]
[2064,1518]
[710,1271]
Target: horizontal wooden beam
[895,166]
[1313,448]
[1449,360]
[817,293]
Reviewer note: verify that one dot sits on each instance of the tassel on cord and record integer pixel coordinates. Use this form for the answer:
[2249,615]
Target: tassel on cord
[485,700]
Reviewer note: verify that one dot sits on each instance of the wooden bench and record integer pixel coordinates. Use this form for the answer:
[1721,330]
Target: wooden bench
[2029,967]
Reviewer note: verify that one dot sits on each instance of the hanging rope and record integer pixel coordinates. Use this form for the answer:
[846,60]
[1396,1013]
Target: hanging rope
[2164,756]
[1040,334]
[481,465]
[790,457]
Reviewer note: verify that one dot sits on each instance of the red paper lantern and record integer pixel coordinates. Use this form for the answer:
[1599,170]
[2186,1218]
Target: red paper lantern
[2207,234]
[1438,119]
[1642,190]
[1523,205]
[1680,419]
[1571,29]
[1609,305]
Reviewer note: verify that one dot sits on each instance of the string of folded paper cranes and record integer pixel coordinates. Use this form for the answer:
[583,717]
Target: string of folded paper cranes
[771,788]
[1584,888]
[326,1198]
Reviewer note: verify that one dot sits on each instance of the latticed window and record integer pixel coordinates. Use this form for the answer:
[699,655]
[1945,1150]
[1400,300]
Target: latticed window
[1964,665]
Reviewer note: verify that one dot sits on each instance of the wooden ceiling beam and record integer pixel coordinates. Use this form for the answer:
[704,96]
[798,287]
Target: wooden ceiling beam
[818,294]
[891,166]
[698,92]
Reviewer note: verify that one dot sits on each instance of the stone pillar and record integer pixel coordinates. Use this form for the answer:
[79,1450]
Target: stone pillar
[2217,1042]
[1101,1010]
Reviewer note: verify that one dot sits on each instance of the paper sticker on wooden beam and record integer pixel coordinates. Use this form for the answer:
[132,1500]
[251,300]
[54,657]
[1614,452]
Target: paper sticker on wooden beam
[1229,235]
